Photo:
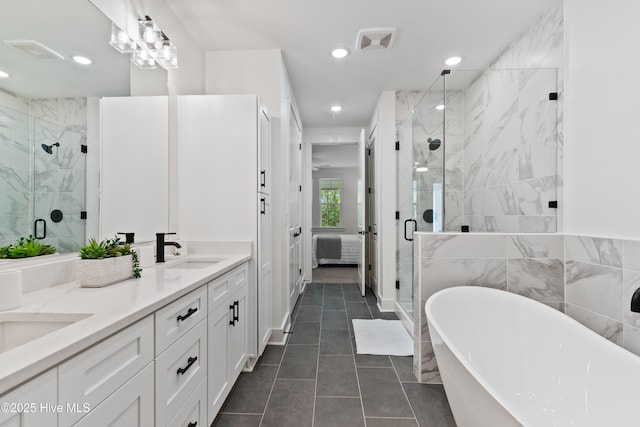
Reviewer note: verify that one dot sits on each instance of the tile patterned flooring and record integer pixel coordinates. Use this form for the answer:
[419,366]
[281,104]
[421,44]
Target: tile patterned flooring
[318,380]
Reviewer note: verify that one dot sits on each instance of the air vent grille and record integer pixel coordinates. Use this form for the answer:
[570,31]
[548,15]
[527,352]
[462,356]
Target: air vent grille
[377,39]
[33,49]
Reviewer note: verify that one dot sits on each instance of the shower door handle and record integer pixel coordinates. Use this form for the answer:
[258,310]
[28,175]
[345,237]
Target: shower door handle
[44,229]
[415,228]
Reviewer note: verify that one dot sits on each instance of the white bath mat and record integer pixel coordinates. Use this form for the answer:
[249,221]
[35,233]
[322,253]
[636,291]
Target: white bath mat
[384,337]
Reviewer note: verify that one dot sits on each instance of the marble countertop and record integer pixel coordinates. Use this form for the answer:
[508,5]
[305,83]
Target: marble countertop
[112,308]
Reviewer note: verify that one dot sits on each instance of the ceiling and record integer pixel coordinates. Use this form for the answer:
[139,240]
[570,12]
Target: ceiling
[429,31]
[77,28]
[334,155]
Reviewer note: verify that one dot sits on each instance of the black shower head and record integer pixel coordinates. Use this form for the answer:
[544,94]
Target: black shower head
[434,144]
[49,148]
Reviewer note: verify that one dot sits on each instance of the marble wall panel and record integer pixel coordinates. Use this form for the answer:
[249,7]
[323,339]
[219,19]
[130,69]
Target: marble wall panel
[595,287]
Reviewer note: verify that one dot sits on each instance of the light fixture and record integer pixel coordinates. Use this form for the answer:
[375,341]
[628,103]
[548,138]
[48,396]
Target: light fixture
[336,108]
[149,46]
[121,41]
[83,60]
[422,169]
[3,74]
[440,107]
[454,60]
[339,52]
[143,60]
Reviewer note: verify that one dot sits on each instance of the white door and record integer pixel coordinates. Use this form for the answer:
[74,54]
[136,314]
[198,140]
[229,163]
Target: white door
[295,229]
[361,218]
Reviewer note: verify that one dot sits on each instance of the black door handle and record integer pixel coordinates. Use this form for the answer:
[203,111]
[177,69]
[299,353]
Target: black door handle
[232,307]
[194,424]
[189,313]
[263,208]
[191,361]
[236,312]
[263,178]
[415,228]
[44,229]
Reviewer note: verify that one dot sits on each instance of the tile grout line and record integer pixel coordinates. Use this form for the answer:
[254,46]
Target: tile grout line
[404,392]
[355,364]
[315,391]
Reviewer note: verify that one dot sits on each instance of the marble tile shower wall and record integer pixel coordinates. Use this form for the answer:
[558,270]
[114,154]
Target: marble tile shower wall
[15,154]
[527,264]
[60,177]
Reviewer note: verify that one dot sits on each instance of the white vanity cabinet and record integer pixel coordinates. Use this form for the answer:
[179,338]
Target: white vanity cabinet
[100,371]
[25,402]
[227,335]
[224,179]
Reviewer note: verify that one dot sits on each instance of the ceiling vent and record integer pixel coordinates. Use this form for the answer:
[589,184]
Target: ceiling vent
[378,39]
[33,50]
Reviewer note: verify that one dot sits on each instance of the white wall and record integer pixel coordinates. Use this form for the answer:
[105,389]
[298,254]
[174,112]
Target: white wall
[349,214]
[602,132]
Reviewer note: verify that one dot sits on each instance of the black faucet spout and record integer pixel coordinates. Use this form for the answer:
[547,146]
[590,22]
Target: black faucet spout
[160,244]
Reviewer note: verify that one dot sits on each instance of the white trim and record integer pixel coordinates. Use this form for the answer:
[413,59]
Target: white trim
[278,335]
[407,321]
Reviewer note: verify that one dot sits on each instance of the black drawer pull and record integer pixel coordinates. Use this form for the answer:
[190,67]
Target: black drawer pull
[193,424]
[190,313]
[236,312]
[232,322]
[191,361]
[263,178]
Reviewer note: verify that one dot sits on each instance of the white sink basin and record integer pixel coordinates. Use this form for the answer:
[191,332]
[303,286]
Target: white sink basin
[195,264]
[20,328]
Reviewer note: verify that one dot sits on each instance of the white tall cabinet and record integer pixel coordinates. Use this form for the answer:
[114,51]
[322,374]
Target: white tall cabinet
[224,181]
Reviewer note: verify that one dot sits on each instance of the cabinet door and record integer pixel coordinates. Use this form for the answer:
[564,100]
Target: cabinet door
[97,372]
[129,406]
[239,333]
[25,403]
[264,273]
[264,150]
[219,382]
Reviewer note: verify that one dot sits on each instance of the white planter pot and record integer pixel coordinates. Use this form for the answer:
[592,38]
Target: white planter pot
[96,273]
[10,289]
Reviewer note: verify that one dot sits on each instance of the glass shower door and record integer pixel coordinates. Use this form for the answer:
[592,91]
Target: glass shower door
[420,183]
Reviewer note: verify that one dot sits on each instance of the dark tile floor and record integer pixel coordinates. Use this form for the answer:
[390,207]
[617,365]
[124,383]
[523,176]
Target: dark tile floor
[318,380]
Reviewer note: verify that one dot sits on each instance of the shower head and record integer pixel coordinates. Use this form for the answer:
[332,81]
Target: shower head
[434,144]
[49,148]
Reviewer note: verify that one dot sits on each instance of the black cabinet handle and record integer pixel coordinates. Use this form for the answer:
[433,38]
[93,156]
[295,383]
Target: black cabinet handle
[44,229]
[415,228]
[263,208]
[194,424]
[189,313]
[236,312]
[263,178]
[190,363]
[232,307]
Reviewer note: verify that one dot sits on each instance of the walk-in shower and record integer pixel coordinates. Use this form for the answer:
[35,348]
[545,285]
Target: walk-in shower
[486,162]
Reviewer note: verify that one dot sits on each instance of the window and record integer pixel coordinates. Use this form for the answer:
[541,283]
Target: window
[330,199]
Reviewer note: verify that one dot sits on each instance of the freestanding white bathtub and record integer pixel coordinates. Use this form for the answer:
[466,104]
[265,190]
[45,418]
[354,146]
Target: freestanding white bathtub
[506,360]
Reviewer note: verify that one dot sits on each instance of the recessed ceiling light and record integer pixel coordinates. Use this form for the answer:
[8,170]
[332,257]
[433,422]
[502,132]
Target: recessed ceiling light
[3,74]
[440,107]
[336,108]
[454,60]
[82,60]
[422,169]
[339,52]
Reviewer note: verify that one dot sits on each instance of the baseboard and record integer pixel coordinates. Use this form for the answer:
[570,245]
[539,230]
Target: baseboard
[406,320]
[386,305]
[279,335]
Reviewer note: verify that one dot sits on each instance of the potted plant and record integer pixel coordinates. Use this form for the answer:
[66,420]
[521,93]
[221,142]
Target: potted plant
[25,248]
[106,262]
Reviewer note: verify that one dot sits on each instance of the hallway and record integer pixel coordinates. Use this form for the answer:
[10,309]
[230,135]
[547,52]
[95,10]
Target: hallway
[318,380]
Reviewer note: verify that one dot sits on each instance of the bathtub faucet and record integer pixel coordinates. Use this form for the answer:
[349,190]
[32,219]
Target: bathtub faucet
[635,301]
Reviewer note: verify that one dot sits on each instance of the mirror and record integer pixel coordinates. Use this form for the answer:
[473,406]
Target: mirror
[49,113]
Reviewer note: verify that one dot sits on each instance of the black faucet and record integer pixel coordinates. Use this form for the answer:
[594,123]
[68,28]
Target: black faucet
[160,244]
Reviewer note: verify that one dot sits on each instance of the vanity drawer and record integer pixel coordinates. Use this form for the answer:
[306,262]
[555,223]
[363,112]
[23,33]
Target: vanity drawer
[222,287]
[194,412]
[131,405]
[91,376]
[175,319]
[179,371]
